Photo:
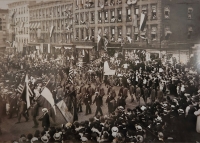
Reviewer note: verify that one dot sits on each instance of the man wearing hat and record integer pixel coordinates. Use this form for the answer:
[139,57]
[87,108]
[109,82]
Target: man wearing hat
[45,119]
[35,112]
[87,102]
[99,102]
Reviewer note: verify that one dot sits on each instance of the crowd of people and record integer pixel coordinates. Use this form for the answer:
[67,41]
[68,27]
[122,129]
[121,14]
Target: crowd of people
[172,111]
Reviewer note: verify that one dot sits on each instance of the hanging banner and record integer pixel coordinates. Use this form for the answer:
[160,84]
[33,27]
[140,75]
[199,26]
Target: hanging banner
[49,48]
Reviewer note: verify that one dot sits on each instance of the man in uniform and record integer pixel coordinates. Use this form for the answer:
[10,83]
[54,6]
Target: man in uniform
[22,110]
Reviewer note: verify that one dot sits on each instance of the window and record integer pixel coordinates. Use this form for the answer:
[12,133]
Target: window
[92,17]
[112,2]
[86,34]
[82,18]
[0,24]
[87,16]
[92,34]
[112,16]
[82,34]
[119,12]
[106,16]
[136,31]
[106,2]
[137,11]
[144,9]
[190,30]
[106,30]
[153,12]
[128,34]
[112,34]
[119,34]
[143,34]
[167,33]
[128,14]
[99,17]
[58,11]
[119,1]
[167,12]
[153,33]
[76,18]
[77,4]
[81,4]
[190,11]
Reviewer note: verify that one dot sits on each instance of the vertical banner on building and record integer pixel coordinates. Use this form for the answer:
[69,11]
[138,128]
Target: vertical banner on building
[41,48]
[49,48]
[143,20]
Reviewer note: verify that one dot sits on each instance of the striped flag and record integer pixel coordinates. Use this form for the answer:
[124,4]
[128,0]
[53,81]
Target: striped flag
[20,88]
[71,72]
[25,92]
[143,20]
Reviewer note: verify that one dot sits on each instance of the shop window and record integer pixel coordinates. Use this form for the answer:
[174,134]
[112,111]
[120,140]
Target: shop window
[112,16]
[99,17]
[190,11]
[167,33]
[112,2]
[153,33]
[167,12]
[92,17]
[137,11]
[76,18]
[136,32]
[119,13]
[128,15]
[153,12]
[106,16]
[190,30]
[112,34]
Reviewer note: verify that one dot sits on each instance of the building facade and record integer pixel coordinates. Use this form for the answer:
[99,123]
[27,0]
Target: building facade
[118,22]
[3,29]
[181,28]
[19,23]
[51,25]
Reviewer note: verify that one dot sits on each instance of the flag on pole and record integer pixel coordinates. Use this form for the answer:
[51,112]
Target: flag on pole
[64,111]
[71,72]
[26,92]
[46,100]
[107,70]
[143,20]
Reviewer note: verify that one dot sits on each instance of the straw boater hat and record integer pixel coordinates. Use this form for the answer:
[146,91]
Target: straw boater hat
[44,110]
[45,139]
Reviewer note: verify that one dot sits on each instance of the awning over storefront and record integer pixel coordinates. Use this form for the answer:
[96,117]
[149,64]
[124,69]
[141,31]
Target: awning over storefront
[84,47]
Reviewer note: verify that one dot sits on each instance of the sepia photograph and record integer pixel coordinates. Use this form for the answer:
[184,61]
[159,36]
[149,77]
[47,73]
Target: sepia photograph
[99,71]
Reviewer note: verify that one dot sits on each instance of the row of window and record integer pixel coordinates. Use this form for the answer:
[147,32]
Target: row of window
[21,40]
[21,10]
[57,11]
[21,19]
[60,24]
[167,12]
[56,37]
[21,30]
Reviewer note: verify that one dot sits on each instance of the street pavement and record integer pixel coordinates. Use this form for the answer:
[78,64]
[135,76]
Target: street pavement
[12,131]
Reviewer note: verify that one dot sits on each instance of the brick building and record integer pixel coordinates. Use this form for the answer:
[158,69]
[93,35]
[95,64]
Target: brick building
[19,23]
[117,22]
[181,27]
[3,29]
[51,25]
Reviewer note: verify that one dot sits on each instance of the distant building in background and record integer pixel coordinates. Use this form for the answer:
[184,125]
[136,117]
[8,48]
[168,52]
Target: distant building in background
[51,26]
[19,23]
[180,28]
[3,29]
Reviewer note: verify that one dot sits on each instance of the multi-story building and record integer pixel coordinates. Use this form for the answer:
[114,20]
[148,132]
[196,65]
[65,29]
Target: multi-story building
[3,29]
[181,28]
[51,25]
[119,23]
[19,23]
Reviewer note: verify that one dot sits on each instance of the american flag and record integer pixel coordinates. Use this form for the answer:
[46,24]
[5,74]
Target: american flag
[21,88]
[71,72]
